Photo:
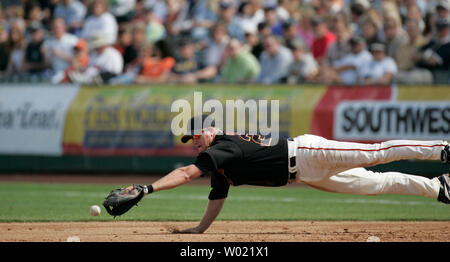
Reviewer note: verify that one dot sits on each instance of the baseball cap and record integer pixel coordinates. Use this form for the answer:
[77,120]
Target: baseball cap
[356,40]
[377,47]
[289,22]
[98,40]
[81,44]
[192,129]
[364,3]
[444,4]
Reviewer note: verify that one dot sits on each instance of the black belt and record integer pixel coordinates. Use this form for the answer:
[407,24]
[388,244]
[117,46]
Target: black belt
[292,163]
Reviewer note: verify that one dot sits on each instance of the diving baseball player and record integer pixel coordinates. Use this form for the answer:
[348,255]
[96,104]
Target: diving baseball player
[323,164]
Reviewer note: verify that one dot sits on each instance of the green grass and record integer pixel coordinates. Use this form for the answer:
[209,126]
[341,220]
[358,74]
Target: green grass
[33,202]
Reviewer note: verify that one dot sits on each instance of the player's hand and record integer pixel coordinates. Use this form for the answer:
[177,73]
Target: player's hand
[193,230]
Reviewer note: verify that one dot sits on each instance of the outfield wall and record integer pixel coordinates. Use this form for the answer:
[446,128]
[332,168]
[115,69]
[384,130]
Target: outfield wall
[68,128]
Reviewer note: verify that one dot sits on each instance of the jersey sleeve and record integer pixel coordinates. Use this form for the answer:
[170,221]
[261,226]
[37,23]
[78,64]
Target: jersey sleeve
[204,163]
[219,185]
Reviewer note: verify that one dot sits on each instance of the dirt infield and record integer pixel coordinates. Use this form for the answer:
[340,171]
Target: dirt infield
[220,231]
[227,231]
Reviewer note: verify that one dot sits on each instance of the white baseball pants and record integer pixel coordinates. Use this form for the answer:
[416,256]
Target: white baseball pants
[339,166]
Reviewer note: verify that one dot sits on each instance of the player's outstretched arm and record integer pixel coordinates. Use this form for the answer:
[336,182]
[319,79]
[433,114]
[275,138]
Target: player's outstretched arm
[212,211]
[177,177]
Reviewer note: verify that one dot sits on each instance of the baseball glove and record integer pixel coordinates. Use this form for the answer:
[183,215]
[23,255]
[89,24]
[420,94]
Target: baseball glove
[120,200]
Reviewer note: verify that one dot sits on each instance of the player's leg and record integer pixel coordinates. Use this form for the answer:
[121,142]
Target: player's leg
[365,182]
[318,158]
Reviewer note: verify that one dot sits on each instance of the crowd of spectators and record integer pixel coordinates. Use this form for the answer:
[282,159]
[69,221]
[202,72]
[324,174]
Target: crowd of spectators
[349,42]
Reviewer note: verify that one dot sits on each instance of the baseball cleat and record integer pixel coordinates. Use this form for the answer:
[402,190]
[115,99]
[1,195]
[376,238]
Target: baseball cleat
[444,191]
[445,154]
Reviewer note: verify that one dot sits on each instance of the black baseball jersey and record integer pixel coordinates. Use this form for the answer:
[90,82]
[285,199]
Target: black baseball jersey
[244,159]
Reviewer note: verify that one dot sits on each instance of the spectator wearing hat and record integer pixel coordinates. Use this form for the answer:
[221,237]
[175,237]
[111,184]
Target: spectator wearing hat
[264,30]
[349,67]
[105,62]
[79,63]
[105,57]
[101,21]
[34,60]
[304,67]
[275,61]
[187,69]
[408,72]
[272,19]
[443,9]
[73,12]
[290,33]
[435,55]
[440,10]
[358,9]
[59,48]
[240,66]
[322,40]
[381,70]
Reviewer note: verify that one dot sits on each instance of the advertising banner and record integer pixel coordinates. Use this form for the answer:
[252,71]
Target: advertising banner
[138,120]
[373,114]
[392,120]
[32,118]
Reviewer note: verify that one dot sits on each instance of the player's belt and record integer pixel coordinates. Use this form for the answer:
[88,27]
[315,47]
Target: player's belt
[292,153]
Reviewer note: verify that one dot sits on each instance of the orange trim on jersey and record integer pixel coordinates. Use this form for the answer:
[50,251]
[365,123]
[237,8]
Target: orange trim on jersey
[247,137]
[261,140]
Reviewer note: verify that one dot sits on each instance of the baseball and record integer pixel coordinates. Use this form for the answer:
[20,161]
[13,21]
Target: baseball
[373,239]
[73,239]
[95,210]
